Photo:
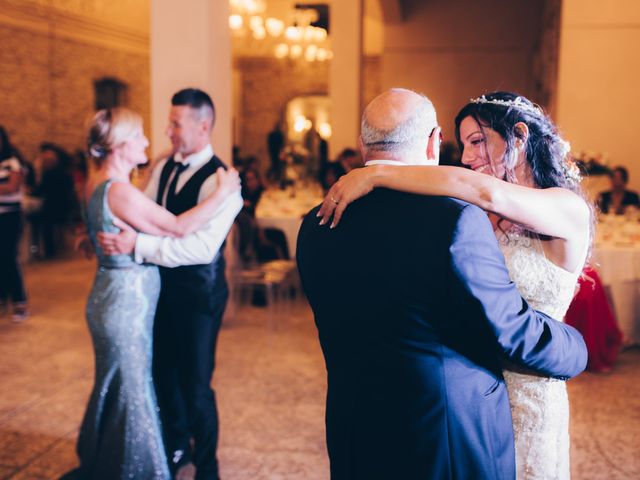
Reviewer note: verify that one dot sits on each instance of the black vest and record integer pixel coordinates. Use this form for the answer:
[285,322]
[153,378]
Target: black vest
[194,282]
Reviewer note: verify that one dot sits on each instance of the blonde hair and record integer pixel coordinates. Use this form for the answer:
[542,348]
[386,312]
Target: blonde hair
[108,129]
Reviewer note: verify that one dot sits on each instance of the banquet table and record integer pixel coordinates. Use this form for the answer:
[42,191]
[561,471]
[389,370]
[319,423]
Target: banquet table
[617,259]
[285,209]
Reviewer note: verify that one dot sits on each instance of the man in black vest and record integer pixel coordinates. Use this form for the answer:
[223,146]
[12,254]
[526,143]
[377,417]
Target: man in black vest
[192,298]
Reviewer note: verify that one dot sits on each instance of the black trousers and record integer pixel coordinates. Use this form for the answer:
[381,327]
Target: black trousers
[11,283]
[185,337]
[43,233]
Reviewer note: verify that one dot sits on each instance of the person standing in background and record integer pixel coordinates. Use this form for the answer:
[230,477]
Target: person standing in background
[56,189]
[12,175]
[275,143]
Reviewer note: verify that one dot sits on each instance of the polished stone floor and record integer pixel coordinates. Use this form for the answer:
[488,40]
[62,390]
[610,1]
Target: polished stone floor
[270,386]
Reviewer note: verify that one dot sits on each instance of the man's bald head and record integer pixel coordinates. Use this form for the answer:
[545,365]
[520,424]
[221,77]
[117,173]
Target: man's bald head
[396,125]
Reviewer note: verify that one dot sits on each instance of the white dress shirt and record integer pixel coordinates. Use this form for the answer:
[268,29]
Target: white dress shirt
[201,246]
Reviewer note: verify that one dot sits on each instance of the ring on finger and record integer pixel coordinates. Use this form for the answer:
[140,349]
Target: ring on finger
[334,200]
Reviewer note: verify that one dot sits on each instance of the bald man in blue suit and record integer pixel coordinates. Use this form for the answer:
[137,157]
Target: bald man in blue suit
[416,314]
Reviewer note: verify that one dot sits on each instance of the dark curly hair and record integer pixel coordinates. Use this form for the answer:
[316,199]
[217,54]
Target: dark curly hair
[546,151]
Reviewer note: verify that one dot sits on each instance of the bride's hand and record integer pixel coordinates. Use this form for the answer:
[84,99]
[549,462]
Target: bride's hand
[228,181]
[355,184]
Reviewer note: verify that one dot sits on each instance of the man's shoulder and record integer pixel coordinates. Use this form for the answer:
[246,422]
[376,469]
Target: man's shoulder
[217,162]
[398,208]
[210,167]
[414,201]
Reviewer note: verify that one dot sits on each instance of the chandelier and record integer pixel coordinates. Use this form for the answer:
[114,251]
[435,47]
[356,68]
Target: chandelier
[295,38]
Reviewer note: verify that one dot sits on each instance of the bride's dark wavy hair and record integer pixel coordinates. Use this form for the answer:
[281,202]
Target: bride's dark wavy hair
[547,153]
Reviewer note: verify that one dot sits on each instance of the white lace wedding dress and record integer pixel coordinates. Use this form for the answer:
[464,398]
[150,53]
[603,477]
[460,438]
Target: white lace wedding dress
[539,405]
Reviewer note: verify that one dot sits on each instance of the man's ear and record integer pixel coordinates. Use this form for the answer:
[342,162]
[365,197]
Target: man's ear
[361,146]
[433,146]
[205,125]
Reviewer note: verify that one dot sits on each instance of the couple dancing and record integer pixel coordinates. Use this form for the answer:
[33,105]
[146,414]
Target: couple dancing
[183,218]
[440,358]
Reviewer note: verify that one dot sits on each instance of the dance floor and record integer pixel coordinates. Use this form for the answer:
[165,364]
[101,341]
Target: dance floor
[270,387]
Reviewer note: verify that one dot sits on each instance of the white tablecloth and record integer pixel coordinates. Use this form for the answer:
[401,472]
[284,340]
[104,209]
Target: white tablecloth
[617,258]
[285,209]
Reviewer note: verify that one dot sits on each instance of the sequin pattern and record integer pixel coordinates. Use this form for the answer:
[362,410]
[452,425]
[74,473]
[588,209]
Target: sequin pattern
[120,437]
[539,406]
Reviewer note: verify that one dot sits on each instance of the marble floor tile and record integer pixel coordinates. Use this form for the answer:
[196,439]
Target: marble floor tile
[270,385]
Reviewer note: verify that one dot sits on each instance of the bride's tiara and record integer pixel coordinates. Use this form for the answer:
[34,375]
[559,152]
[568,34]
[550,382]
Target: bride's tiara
[518,103]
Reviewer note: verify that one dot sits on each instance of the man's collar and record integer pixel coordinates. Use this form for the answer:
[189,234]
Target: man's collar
[384,162]
[425,163]
[195,159]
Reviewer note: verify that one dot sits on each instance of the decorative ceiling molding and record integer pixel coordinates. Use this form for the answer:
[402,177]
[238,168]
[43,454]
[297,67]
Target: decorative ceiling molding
[47,20]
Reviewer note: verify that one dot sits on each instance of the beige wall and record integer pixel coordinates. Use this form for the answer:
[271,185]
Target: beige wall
[598,97]
[453,50]
[50,58]
[191,47]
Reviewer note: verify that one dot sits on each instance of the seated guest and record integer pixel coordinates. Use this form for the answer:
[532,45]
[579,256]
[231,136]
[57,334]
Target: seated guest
[618,198]
[256,243]
[252,188]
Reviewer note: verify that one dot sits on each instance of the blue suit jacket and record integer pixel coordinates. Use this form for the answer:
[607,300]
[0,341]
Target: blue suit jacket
[416,313]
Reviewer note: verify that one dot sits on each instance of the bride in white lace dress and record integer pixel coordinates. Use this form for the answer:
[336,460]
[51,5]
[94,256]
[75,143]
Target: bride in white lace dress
[521,173]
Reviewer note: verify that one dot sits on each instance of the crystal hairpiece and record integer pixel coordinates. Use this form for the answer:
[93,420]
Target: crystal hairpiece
[571,171]
[518,103]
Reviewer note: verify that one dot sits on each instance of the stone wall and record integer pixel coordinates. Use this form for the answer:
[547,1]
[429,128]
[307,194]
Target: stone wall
[266,85]
[48,70]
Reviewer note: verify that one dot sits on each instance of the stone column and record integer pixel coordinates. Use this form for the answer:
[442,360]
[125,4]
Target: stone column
[191,47]
[345,76]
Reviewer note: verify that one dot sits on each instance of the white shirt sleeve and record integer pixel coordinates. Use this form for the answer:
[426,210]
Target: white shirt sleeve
[197,248]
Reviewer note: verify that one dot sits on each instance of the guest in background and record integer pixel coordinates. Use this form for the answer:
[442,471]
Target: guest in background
[275,143]
[261,244]
[236,158]
[56,190]
[618,198]
[12,176]
[252,189]
[79,173]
